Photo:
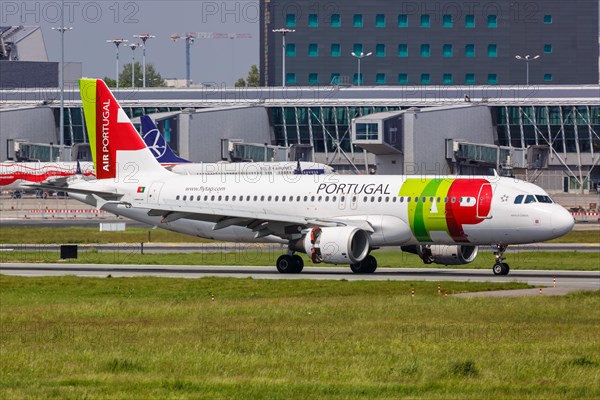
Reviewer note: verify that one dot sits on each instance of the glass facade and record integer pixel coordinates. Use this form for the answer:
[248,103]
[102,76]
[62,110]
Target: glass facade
[74,121]
[567,129]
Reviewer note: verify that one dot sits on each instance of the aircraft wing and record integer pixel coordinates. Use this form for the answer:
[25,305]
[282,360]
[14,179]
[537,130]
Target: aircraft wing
[264,222]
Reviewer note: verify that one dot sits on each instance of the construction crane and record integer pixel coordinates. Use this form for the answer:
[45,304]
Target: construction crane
[190,37]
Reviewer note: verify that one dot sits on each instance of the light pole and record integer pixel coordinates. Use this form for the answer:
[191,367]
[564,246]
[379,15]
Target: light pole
[133,46]
[527,58]
[117,42]
[283,32]
[61,124]
[144,37]
[360,56]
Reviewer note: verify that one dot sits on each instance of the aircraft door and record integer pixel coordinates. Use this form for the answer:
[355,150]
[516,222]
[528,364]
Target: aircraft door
[154,192]
[484,201]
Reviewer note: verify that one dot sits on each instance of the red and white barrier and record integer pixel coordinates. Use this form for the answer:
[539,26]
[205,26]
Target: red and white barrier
[585,216]
[62,213]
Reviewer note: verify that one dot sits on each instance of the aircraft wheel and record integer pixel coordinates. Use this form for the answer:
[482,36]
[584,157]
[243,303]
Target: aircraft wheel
[367,266]
[287,264]
[299,263]
[501,269]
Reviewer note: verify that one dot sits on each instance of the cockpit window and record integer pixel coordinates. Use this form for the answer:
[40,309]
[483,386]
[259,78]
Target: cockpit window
[543,199]
[519,199]
[529,199]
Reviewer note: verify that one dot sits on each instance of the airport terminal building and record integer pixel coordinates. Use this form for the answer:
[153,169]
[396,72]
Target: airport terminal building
[439,107]
[445,42]
[547,134]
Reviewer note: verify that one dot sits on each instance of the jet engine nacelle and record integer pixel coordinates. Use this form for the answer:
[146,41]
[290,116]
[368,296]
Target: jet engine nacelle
[336,245]
[443,254]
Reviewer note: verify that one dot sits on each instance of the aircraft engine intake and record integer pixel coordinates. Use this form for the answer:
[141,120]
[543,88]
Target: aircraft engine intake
[336,245]
[443,254]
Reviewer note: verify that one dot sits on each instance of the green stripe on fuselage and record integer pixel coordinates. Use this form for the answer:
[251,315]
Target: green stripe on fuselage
[427,216]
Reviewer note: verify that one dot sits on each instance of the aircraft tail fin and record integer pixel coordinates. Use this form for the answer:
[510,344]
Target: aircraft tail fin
[157,144]
[118,150]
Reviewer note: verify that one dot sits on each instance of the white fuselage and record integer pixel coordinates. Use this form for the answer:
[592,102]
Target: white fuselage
[397,217]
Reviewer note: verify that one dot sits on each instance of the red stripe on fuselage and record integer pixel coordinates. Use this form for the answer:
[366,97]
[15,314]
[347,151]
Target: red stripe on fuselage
[457,215]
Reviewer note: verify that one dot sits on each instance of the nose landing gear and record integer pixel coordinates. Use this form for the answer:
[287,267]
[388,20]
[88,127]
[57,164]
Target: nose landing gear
[500,267]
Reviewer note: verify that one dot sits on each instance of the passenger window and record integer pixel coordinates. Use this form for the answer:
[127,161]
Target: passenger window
[262,198]
[393,199]
[198,198]
[177,197]
[401,199]
[226,198]
[269,198]
[320,198]
[334,199]
[408,199]
[184,198]
[282,198]
[342,199]
[220,197]
[379,199]
[212,198]
[416,199]
[529,199]
[312,198]
[276,198]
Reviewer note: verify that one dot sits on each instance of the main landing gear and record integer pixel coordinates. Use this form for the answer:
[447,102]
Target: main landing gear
[290,264]
[500,267]
[367,266]
[293,264]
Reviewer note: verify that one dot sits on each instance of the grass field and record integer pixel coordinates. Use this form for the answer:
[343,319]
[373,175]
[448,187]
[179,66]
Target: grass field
[63,235]
[141,338]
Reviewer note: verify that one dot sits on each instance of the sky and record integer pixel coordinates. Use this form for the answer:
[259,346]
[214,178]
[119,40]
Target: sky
[220,61]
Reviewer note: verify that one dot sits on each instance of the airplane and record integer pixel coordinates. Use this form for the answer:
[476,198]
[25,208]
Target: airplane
[335,219]
[19,175]
[165,155]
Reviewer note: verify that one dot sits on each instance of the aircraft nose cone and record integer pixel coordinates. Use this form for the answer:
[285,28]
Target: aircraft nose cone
[562,222]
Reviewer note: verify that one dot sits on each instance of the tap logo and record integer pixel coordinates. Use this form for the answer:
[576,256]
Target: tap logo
[446,205]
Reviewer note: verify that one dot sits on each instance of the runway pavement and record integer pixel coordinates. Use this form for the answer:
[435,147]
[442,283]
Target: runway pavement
[566,280]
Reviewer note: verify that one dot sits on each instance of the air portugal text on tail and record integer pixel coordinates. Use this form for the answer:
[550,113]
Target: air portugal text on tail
[335,219]
[117,148]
